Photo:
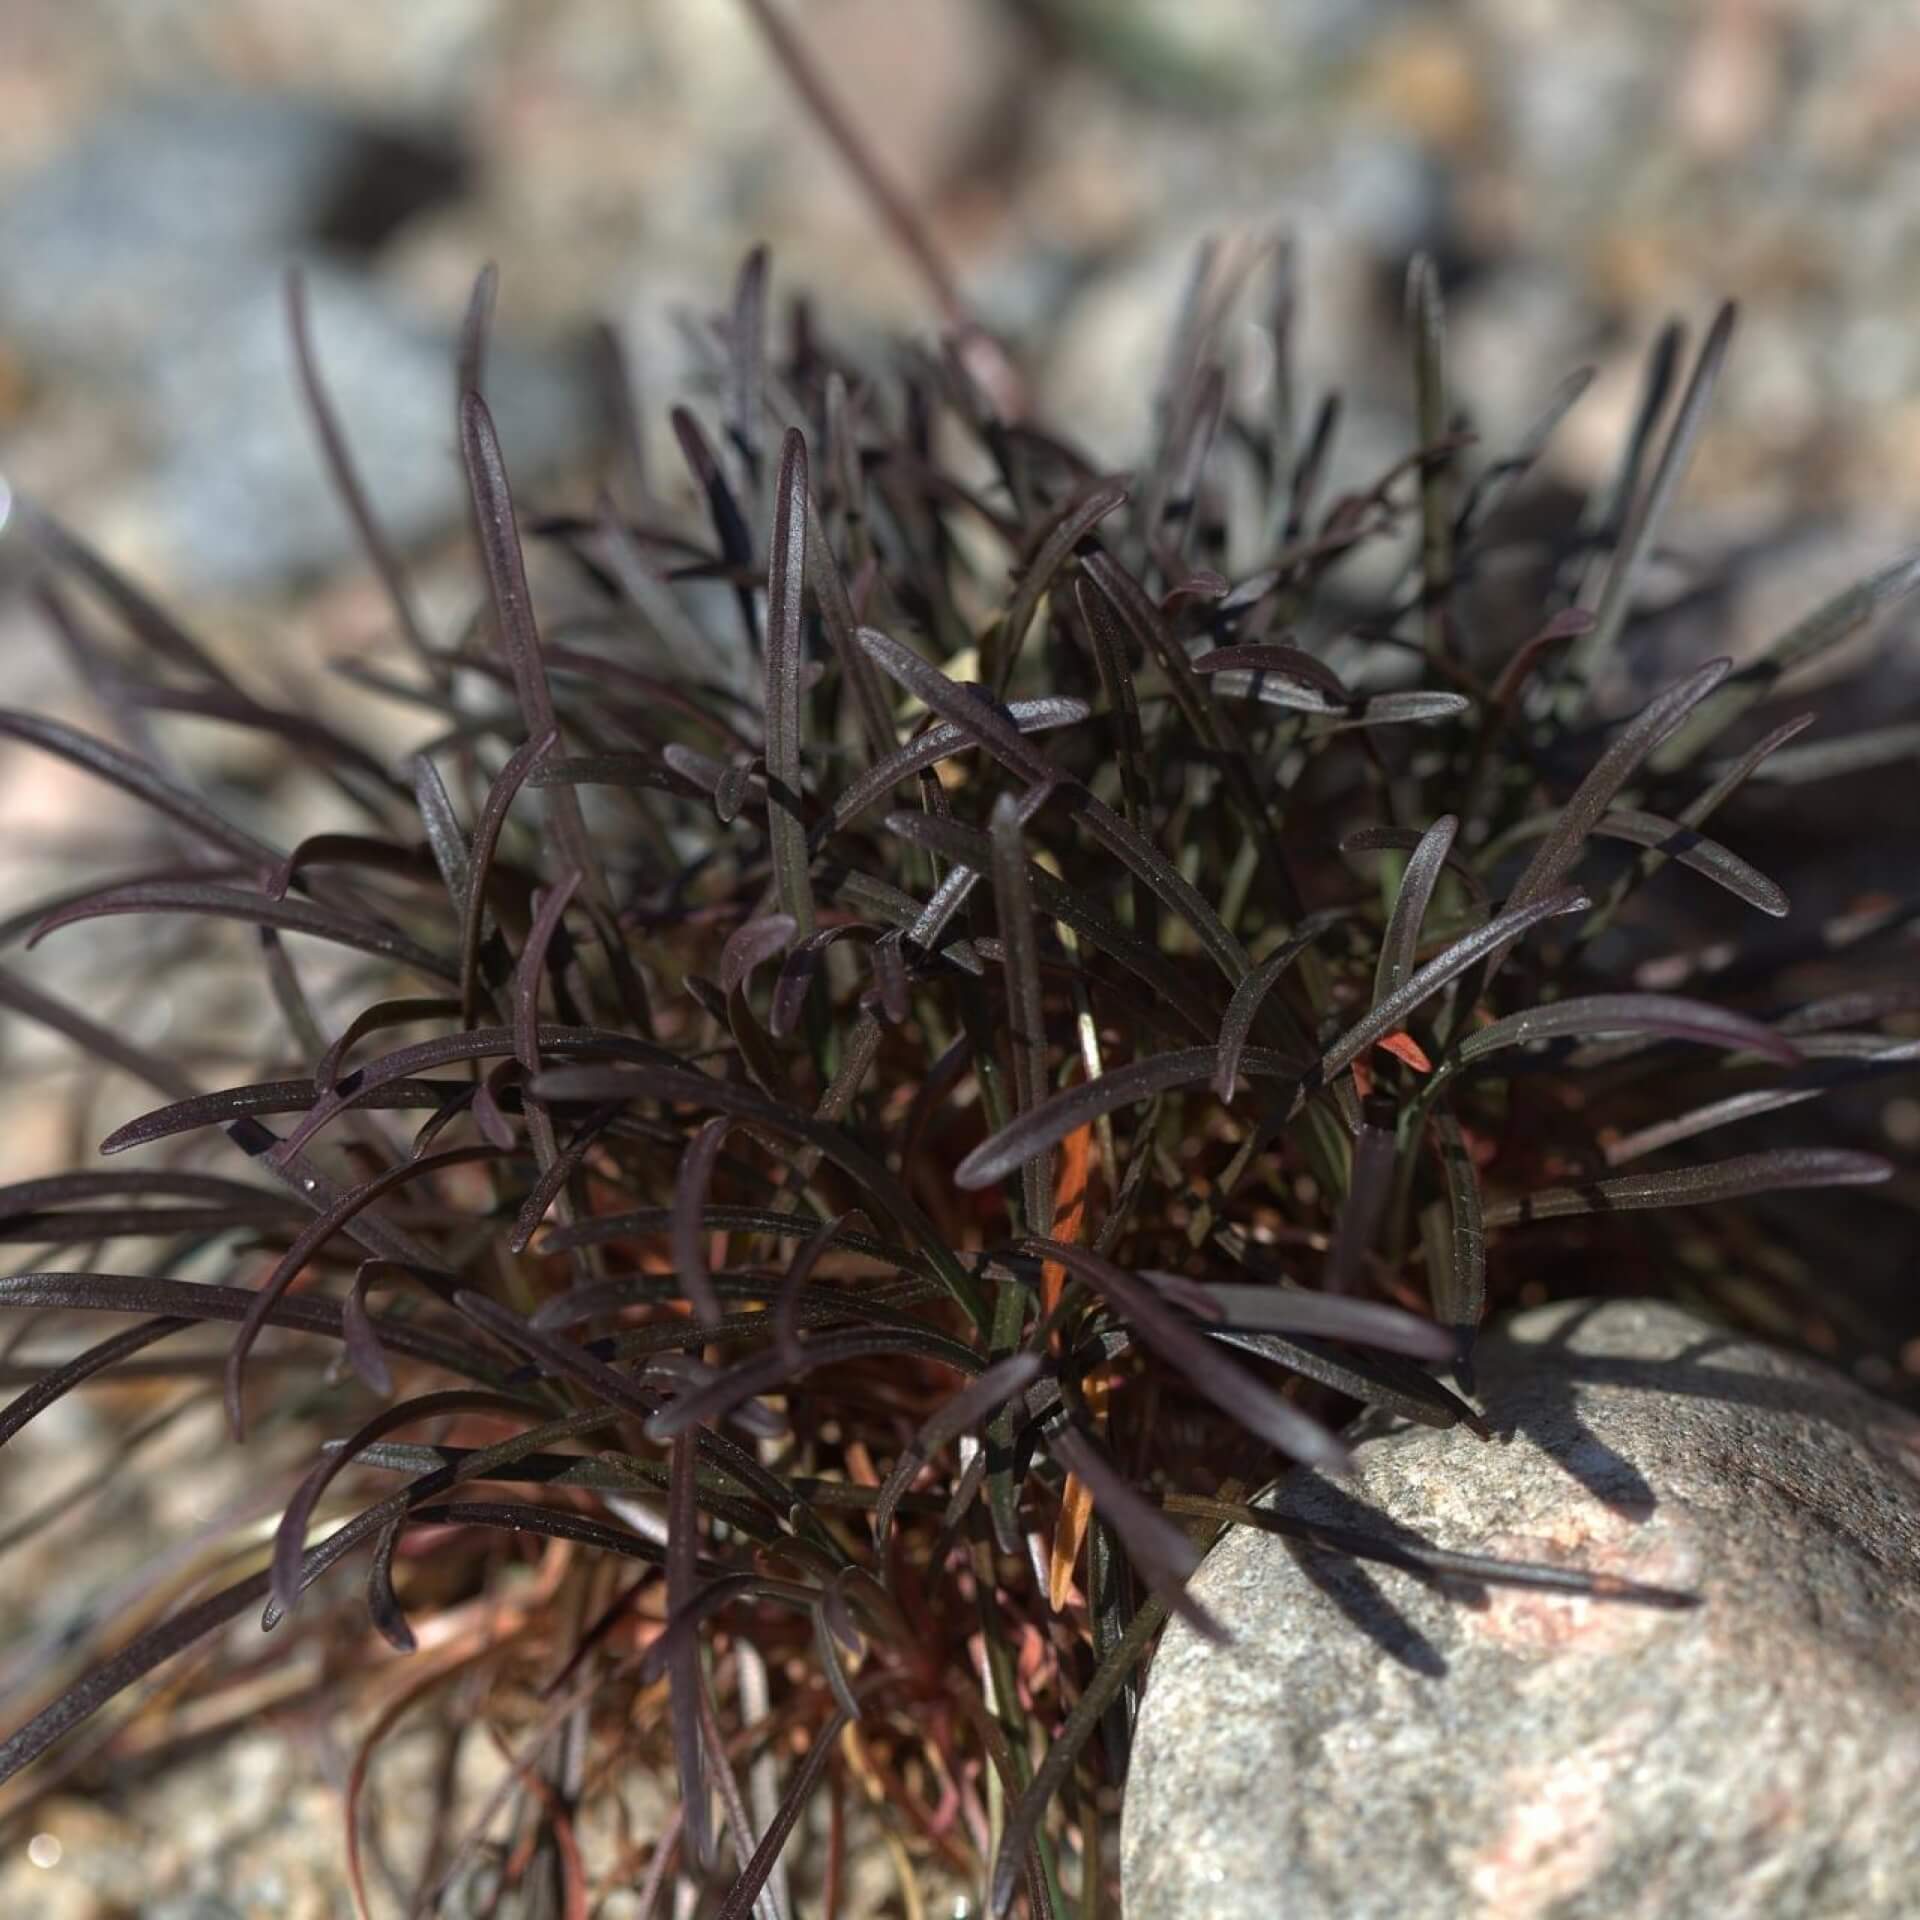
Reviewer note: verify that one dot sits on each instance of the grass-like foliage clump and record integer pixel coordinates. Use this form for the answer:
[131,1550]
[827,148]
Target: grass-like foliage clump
[934,1020]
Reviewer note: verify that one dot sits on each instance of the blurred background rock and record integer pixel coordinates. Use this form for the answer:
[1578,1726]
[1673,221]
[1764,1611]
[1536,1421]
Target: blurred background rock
[1582,170]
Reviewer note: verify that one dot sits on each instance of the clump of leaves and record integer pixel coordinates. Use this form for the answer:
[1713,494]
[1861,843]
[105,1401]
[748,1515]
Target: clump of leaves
[930,1017]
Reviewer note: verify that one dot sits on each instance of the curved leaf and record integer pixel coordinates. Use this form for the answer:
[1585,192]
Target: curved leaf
[1636,538]
[1174,993]
[1233,1390]
[292,1263]
[1654,723]
[1079,1105]
[1402,936]
[1290,662]
[1829,625]
[1388,1015]
[1695,850]
[266,1097]
[939,742]
[1063,1753]
[1670,1016]
[751,944]
[191,1301]
[1054,542]
[486,837]
[1327,1316]
[143,782]
[1244,1008]
[1404,840]
[532,967]
[453,1049]
[605,1229]
[689,1205]
[766,1371]
[786,581]
[700,1090]
[231,903]
[289,1540]
[977,714]
[976,1403]
[1736,1179]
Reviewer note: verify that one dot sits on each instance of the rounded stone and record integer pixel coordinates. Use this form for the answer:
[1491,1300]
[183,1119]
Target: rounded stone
[1376,1743]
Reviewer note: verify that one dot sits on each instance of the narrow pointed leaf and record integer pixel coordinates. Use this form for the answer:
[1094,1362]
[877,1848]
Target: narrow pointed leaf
[1829,625]
[1460,1288]
[1233,1390]
[683,1669]
[1591,650]
[689,1205]
[1670,1016]
[1080,1105]
[1409,914]
[1695,850]
[937,743]
[233,903]
[234,1105]
[1003,740]
[1390,1014]
[786,582]
[1244,1008]
[1737,1179]
[192,1301]
[1063,1753]
[1289,662]
[512,600]
[343,472]
[486,837]
[1427,323]
[1327,1316]
[1025,1001]
[700,1090]
[143,782]
[1654,723]
[1057,540]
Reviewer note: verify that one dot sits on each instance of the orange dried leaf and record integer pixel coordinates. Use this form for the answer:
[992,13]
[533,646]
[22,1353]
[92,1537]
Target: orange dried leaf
[1069,1209]
[1403,1046]
[1076,1509]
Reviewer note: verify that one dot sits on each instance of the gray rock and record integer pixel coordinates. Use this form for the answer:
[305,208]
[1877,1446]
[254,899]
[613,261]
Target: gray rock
[146,264]
[1371,1746]
[130,232]
[238,496]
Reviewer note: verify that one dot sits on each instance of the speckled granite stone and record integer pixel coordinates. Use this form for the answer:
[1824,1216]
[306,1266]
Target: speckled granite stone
[1370,1746]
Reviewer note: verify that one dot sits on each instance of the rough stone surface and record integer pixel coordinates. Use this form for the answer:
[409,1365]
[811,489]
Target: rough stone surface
[1370,1746]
